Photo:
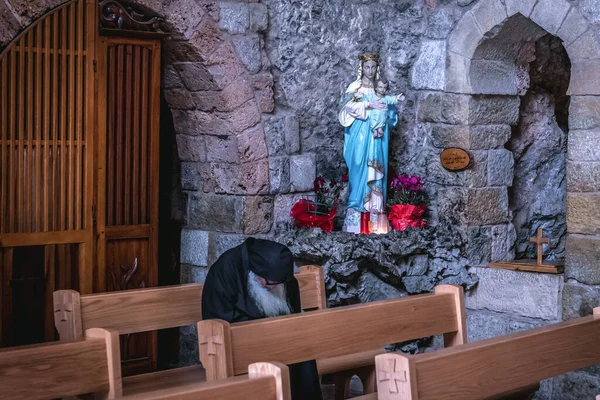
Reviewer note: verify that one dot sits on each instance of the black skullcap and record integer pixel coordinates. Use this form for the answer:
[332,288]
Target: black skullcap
[270,260]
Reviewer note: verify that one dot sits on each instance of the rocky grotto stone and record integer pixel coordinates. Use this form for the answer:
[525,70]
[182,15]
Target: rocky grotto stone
[428,70]
[581,261]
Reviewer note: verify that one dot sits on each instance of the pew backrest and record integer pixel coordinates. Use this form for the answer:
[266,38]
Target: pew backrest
[148,309]
[227,349]
[265,381]
[62,369]
[491,367]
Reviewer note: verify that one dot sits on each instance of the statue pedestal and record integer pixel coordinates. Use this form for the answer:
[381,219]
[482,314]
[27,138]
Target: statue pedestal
[352,221]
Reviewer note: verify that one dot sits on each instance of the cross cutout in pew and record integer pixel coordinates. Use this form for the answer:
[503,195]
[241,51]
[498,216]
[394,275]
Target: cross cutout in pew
[392,376]
[539,241]
[211,342]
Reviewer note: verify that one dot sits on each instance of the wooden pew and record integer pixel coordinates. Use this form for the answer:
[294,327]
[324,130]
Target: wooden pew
[227,349]
[148,309]
[47,371]
[494,367]
[265,381]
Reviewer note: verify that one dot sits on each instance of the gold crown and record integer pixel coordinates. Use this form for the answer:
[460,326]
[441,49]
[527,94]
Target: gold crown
[369,57]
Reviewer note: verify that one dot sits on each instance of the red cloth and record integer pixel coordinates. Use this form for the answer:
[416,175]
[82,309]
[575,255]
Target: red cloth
[301,212]
[404,215]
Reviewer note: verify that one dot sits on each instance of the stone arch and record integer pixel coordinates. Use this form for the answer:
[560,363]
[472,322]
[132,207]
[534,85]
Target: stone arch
[469,62]
[484,21]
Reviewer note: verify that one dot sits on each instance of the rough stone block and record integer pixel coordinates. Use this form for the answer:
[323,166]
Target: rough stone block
[500,167]
[183,14]
[275,135]
[244,117]
[585,47]
[250,178]
[485,137]
[221,149]
[503,240]
[258,215]
[195,76]
[259,17]
[572,27]
[549,14]
[479,246]
[493,77]
[518,293]
[194,247]
[455,108]
[220,243]
[282,208]
[248,48]
[302,172]
[590,10]
[575,386]
[251,145]
[9,24]
[224,65]
[478,172]
[584,145]
[584,112]
[179,99]
[234,17]
[199,123]
[583,213]
[483,325]
[190,178]
[429,107]
[279,175]
[428,72]
[233,96]
[579,300]
[452,205]
[457,73]
[292,135]
[582,259]
[192,274]
[465,37]
[212,212]
[450,136]
[263,85]
[487,206]
[583,176]
[524,7]
[488,14]
[170,78]
[494,110]
[207,36]
[584,78]
[439,175]
[191,148]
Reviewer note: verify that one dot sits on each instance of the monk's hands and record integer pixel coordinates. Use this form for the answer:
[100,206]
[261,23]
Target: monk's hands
[377,105]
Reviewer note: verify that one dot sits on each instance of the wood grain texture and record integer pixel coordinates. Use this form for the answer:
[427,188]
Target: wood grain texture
[160,380]
[236,388]
[214,344]
[362,327]
[348,361]
[396,377]
[58,370]
[280,374]
[113,356]
[312,286]
[67,315]
[460,335]
[498,365]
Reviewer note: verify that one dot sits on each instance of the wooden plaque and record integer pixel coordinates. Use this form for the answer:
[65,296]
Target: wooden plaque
[455,159]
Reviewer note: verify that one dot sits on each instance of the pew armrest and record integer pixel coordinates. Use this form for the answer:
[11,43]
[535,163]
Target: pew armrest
[348,361]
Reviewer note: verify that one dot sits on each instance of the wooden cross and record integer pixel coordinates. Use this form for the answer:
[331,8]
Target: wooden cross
[210,342]
[392,376]
[539,241]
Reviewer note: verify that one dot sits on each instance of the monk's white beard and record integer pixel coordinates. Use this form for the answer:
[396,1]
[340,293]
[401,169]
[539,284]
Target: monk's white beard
[271,302]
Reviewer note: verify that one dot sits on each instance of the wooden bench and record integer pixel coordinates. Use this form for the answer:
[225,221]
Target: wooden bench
[149,309]
[265,381]
[48,371]
[227,349]
[491,368]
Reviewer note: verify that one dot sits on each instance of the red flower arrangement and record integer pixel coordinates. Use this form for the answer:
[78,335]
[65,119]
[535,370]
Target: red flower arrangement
[319,212]
[408,202]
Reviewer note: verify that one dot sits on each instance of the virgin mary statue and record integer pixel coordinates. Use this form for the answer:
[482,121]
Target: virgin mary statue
[366,154]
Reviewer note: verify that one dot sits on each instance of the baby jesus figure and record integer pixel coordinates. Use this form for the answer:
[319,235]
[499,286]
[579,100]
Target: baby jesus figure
[377,118]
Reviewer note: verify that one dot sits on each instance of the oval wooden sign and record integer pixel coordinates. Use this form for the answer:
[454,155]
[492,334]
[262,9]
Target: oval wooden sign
[455,159]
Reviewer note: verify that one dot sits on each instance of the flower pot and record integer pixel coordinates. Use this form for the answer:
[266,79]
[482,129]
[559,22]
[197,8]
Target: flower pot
[306,214]
[404,215]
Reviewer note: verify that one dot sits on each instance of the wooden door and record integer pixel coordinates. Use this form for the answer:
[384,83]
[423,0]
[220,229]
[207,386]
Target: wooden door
[129,94]
[46,169]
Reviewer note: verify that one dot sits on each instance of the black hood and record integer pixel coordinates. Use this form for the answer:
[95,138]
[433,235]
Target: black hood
[270,260]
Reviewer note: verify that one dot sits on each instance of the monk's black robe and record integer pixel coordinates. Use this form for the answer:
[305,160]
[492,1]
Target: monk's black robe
[225,296]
